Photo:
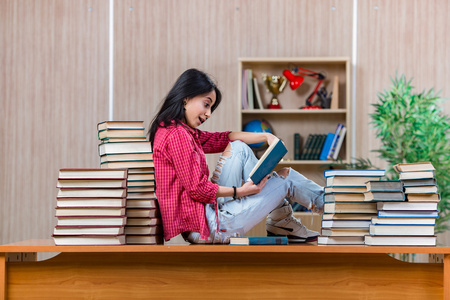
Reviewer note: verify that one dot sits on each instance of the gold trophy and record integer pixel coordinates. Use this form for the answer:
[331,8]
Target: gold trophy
[275,85]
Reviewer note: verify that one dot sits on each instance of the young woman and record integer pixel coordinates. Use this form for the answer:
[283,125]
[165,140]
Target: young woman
[211,211]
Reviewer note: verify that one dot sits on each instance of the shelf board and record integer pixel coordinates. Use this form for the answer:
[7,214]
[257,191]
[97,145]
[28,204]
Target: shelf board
[294,111]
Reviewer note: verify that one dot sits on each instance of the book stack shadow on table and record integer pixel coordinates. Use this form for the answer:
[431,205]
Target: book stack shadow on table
[123,145]
[411,220]
[347,215]
[90,207]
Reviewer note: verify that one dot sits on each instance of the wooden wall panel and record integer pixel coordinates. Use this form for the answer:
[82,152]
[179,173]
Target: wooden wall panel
[410,37]
[155,41]
[53,91]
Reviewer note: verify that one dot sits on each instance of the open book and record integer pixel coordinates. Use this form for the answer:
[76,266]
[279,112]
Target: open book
[268,161]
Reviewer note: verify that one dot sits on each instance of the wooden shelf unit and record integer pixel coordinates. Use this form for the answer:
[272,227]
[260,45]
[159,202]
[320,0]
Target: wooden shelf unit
[290,118]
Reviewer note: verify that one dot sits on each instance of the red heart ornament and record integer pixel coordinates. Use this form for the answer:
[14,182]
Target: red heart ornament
[294,80]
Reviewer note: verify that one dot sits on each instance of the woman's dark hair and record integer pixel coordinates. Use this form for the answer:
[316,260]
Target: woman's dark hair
[190,84]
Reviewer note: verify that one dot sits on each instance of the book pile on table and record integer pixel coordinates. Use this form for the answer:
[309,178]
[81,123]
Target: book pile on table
[123,145]
[346,216]
[90,207]
[410,221]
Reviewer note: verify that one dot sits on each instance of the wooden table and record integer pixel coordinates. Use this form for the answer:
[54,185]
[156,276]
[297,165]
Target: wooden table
[220,271]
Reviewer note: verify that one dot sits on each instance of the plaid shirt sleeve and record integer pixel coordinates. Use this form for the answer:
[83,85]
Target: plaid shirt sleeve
[213,142]
[190,168]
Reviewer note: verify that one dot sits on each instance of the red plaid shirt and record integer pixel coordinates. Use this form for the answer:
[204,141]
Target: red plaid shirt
[182,177]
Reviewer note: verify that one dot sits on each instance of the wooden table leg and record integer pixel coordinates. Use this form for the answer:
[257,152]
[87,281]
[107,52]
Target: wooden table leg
[447,277]
[2,276]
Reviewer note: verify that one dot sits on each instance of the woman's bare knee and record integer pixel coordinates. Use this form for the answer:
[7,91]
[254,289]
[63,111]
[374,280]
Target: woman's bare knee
[283,172]
[227,151]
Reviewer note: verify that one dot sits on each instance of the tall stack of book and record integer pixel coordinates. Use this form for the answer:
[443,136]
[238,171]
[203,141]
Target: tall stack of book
[411,221]
[90,207]
[346,215]
[123,145]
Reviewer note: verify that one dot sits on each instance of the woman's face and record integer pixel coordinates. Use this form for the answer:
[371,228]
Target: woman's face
[198,109]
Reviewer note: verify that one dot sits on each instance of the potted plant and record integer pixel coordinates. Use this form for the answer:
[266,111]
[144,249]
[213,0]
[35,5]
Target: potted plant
[412,128]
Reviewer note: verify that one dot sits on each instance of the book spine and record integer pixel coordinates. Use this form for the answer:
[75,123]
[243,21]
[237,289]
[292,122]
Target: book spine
[306,147]
[296,146]
[339,142]
[334,143]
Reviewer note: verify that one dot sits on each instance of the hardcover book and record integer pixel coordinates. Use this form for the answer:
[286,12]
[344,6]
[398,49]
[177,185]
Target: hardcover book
[340,240]
[416,175]
[259,240]
[124,139]
[400,240]
[92,174]
[345,189]
[402,230]
[120,132]
[423,197]
[142,213]
[419,182]
[327,146]
[127,164]
[118,148]
[384,196]
[144,239]
[407,214]
[143,230]
[90,211]
[384,186]
[90,202]
[89,240]
[91,183]
[120,124]
[350,207]
[64,230]
[91,221]
[349,180]
[141,203]
[126,157]
[406,205]
[268,161]
[345,223]
[92,193]
[413,167]
[404,221]
[143,221]
[429,189]
[346,197]
[349,216]
[345,231]
[355,172]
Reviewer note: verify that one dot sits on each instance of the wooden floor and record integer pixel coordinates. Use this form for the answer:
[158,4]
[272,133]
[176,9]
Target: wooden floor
[220,272]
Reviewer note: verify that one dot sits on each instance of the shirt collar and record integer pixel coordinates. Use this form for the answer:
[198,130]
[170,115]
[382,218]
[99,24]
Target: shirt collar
[194,131]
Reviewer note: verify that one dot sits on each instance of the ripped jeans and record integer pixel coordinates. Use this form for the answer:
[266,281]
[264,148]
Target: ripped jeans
[238,216]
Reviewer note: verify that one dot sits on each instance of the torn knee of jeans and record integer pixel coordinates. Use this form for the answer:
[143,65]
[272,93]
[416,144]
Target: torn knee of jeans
[283,173]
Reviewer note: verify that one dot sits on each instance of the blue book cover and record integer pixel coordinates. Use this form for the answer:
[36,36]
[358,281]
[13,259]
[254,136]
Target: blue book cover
[268,161]
[259,240]
[327,146]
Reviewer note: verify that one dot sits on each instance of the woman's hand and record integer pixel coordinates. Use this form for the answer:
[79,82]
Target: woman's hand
[270,138]
[249,188]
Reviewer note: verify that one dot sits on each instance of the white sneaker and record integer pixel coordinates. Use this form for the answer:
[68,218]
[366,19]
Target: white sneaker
[281,222]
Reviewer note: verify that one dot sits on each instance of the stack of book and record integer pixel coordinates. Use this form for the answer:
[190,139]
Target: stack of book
[123,145]
[90,207]
[347,215]
[410,221]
